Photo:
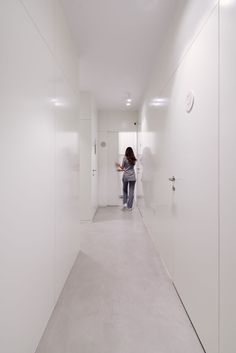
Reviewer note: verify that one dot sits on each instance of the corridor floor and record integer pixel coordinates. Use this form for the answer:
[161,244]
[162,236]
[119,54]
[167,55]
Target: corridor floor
[118,298]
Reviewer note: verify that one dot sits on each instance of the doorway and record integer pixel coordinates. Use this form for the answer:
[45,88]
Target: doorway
[117,144]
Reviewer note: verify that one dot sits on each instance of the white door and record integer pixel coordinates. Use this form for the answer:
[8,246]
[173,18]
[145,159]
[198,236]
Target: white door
[174,142]
[194,136]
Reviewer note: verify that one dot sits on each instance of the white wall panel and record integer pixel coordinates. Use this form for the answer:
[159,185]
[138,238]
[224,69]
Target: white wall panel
[86,170]
[86,110]
[227,176]
[88,156]
[66,181]
[27,174]
[31,127]
[184,223]
[157,204]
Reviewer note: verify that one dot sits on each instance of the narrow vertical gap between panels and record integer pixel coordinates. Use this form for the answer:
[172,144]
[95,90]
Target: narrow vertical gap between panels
[54,204]
[219,179]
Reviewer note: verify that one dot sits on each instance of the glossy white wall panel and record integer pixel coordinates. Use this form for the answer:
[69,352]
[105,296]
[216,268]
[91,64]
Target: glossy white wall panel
[86,169]
[26,187]
[67,180]
[88,153]
[184,224]
[32,269]
[227,176]
[157,205]
[85,105]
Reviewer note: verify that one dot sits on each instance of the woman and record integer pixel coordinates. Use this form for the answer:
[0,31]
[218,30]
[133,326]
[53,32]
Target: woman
[129,178]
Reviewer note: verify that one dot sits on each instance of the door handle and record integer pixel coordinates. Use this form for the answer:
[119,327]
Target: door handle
[173,182]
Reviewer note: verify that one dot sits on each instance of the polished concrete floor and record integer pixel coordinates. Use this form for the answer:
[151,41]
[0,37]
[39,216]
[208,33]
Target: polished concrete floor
[118,298]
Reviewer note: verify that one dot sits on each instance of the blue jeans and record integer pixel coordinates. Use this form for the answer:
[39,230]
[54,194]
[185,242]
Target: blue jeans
[128,193]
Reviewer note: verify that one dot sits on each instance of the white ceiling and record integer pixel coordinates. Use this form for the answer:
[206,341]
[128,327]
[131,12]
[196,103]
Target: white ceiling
[118,42]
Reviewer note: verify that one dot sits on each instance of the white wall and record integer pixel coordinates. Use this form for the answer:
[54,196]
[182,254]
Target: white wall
[184,223]
[110,122]
[39,177]
[88,156]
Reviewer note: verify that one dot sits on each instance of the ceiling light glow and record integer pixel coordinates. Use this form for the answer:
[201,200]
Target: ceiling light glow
[56,102]
[227,2]
[127,98]
[158,102]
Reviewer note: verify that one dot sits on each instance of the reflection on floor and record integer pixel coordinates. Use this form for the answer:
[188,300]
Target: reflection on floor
[118,298]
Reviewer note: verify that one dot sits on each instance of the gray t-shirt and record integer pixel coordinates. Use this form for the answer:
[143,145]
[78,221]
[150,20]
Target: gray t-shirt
[129,173]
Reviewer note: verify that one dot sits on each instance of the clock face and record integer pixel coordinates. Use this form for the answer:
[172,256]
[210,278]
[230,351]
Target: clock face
[189,102]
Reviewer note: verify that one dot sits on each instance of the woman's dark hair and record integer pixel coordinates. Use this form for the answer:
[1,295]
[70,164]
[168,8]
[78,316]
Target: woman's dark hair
[129,154]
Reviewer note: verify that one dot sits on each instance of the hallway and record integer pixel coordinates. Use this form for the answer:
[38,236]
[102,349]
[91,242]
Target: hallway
[81,81]
[118,298]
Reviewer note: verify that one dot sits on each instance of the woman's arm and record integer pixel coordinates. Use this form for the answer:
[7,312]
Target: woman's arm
[119,167]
